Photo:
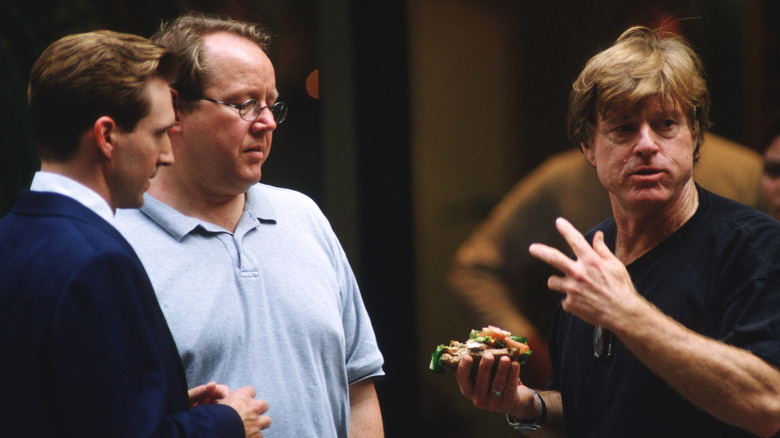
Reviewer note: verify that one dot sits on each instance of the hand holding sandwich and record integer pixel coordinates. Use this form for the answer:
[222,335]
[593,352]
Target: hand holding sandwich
[504,393]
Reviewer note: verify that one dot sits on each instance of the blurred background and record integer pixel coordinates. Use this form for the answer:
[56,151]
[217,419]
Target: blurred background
[408,121]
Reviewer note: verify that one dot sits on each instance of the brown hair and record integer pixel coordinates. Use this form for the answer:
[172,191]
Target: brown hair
[82,77]
[184,36]
[642,63]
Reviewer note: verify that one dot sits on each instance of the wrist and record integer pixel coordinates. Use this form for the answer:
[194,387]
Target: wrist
[535,423]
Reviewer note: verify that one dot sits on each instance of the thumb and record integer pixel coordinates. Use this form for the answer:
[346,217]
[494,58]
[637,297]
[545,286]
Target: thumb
[600,246]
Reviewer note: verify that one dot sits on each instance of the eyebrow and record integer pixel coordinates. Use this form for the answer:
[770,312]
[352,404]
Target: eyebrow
[167,127]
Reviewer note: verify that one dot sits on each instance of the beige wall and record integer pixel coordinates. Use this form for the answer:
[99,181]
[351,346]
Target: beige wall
[462,150]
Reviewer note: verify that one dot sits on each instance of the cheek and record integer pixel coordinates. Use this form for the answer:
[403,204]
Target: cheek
[770,186]
[611,163]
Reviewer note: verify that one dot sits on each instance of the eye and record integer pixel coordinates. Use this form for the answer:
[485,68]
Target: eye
[248,104]
[623,128]
[249,108]
[772,170]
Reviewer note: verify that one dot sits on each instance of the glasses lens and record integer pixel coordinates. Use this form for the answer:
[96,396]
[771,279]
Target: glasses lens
[249,110]
[279,110]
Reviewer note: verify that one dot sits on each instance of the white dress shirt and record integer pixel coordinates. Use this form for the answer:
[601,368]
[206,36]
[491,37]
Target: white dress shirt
[60,184]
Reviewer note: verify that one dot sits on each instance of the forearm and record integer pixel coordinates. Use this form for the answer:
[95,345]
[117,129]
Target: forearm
[365,417]
[730,383]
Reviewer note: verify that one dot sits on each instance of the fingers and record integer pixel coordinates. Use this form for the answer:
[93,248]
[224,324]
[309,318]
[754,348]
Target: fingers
[254,421]
[574,238]
[202,394]
[265,422]
[482,381]
[489,388]
[221,391]
[556,258]
[463,376]
[551,256]
[262,406]
[500,383]
[246,391]
[600,246]
[201,389]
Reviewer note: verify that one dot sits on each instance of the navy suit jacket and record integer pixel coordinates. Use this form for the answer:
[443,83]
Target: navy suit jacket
[84,348]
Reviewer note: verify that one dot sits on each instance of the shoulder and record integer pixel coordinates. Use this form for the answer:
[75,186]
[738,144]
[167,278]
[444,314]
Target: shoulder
[282,196]
[739,227]
[283,204]
[734,214]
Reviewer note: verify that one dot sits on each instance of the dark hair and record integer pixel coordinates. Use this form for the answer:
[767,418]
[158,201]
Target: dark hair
[81,77]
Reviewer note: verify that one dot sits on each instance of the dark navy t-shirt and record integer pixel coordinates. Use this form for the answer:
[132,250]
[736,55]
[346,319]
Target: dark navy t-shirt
[718,275]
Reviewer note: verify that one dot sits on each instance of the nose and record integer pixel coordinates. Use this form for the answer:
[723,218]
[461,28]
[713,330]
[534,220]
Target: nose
[165,158]
[645,144]
[265,121]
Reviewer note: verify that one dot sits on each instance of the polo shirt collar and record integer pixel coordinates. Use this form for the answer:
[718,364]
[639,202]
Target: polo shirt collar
[178,225]
[259,206]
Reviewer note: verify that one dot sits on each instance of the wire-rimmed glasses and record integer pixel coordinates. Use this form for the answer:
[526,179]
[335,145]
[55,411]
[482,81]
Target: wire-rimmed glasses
[250,109]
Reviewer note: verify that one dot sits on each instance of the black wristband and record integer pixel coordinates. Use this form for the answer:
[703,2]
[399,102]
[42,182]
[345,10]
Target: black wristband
[535,425]
[543,414]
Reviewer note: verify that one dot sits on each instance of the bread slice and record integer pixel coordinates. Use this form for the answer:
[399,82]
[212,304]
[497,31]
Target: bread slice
[452,354]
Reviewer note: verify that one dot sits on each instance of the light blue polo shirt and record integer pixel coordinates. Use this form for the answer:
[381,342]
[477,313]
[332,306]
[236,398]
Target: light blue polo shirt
[274,305]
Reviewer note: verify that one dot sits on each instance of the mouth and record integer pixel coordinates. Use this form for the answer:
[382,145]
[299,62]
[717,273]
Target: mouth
[255,155]
[255,150]
[647,174]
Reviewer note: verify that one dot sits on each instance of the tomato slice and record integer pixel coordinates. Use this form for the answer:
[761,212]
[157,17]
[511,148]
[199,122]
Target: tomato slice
[522,348]
[495,333]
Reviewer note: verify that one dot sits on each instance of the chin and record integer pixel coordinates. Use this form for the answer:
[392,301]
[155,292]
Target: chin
[133,203]
[252,177]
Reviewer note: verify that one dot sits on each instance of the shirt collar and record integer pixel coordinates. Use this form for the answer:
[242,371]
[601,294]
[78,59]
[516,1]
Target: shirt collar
[258,209]
[56,183]
[259,206]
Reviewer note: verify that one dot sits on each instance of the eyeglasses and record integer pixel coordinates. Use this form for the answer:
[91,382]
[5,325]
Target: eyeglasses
[600,349]
[251,108]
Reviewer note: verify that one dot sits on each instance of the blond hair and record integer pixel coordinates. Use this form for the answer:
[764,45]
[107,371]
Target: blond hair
[643,63]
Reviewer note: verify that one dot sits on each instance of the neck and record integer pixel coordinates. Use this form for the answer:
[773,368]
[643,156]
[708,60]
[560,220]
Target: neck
[224,210]
[89,175]
[639,232]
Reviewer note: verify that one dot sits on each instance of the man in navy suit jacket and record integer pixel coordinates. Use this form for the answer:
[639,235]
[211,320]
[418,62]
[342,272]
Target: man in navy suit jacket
[84,348]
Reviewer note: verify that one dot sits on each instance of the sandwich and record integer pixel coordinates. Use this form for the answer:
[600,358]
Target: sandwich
[490,339]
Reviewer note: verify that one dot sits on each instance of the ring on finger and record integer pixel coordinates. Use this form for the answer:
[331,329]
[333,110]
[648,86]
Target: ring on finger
[496,393]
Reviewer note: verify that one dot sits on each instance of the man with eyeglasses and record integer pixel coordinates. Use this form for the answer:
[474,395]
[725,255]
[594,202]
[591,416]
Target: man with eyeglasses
[252,280]
[85,350]
[670,319]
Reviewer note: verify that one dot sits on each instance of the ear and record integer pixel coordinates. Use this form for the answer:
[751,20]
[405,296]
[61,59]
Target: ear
[588,152]
[177,121]
[104,131]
